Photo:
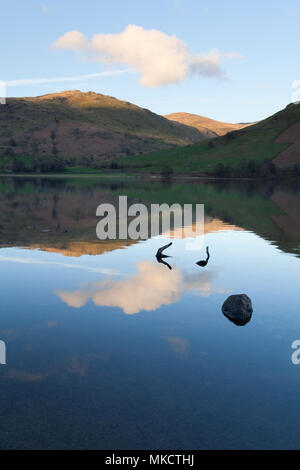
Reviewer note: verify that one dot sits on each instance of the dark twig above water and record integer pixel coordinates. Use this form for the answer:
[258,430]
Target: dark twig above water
[159,253]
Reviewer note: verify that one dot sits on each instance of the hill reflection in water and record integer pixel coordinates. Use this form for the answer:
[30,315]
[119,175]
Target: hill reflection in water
[114,350]
[59,215]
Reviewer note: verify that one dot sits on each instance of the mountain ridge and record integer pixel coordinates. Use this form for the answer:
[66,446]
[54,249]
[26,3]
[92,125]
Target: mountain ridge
[74,127]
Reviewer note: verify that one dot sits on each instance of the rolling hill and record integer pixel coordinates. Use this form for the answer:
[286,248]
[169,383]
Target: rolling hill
[76,128]
[267,147]
[208,127]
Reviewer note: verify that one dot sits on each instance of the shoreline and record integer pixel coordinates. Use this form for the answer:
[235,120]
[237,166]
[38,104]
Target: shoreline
[147,176]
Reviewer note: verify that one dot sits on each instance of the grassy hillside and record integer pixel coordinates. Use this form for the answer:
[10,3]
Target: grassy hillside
[82,128]
[206,126]
[275,139]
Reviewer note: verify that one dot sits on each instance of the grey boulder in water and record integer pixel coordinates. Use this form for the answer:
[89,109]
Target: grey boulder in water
[238,309]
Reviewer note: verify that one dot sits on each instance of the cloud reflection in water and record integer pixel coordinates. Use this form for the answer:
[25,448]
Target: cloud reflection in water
[149,289]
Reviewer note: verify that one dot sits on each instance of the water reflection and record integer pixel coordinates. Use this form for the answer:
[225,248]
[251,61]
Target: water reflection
[179,345]
[162,261]
[160,256]
[58,214]
[148,290]
[204,262]
[119,351]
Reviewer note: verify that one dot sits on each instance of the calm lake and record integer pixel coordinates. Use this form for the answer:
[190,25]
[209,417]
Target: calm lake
[108,349]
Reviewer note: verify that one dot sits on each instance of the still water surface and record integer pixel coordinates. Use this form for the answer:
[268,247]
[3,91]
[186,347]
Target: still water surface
[108,349]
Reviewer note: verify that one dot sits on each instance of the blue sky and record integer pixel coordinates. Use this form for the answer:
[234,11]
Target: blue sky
[265,33]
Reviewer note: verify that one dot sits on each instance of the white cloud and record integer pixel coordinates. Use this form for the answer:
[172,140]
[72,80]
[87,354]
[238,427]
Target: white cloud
[38,81]
[159,58]
[296,93]
[209,65]
[73,40]
[45,8]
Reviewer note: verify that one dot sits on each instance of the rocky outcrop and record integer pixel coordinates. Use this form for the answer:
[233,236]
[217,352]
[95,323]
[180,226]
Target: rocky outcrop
[238,309]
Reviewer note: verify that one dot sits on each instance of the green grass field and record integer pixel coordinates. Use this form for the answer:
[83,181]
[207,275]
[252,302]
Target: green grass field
[255,143]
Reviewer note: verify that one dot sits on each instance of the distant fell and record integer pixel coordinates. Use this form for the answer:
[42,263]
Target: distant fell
[208,127]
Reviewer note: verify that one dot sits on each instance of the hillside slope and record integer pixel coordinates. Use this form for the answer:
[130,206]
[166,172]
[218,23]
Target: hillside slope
[83,128]
[273,143]
[208,127]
